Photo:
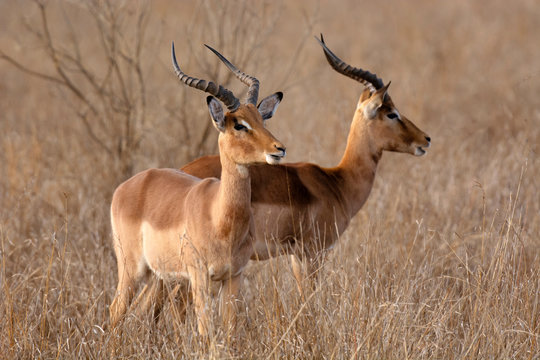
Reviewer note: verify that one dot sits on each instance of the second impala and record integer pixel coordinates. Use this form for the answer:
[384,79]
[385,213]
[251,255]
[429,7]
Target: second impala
[303,208]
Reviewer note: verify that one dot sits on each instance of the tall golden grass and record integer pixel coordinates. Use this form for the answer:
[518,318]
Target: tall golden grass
[442,262]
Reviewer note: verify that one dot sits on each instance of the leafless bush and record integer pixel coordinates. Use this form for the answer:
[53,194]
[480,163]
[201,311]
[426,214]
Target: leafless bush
[102,74]
[109,100]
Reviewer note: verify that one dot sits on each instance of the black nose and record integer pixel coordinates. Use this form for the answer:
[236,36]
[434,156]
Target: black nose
[428,138]
[280,149]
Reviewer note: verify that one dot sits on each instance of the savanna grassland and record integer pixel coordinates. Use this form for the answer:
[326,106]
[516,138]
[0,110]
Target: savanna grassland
[442,262]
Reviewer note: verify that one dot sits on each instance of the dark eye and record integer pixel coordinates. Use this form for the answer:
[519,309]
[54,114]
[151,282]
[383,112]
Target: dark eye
[392,116]
[239,127]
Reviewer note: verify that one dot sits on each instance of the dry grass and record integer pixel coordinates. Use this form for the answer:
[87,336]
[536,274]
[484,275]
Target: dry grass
[442,262]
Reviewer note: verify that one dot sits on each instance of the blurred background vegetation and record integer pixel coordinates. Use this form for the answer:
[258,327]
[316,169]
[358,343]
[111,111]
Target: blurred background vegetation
[443,260]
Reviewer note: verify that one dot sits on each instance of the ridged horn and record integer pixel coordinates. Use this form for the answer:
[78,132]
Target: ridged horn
[224,95]
[252,82]
[371,81]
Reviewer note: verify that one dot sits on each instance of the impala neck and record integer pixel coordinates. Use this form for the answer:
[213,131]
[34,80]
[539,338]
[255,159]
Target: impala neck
[234,191]
[358,164]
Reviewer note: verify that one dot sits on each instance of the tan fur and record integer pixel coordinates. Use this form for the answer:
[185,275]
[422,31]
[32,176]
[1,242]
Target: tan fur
[303,208]
[177,225]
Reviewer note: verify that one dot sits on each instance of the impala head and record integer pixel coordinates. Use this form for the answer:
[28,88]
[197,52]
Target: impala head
[243,137]
[390,129]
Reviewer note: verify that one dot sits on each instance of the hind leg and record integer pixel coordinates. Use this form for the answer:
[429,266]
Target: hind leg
[124,294]
[157,292]
[129,276]
[180,297]
[153,295]
[306,272]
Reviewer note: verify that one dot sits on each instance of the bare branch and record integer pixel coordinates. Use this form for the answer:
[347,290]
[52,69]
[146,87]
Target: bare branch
[29,71]
[54,56]
[310,22]
[84,117]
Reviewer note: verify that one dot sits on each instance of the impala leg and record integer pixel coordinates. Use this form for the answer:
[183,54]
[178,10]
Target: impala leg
[313,267]
[156,293]
[230,291]
[299,272]
[140,298]
[180,298]
[153,294]
[130,271]
[306,271]
[124,294]
[158,298]
[200,291]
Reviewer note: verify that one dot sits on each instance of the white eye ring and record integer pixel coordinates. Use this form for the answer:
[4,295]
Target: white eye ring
[245,124]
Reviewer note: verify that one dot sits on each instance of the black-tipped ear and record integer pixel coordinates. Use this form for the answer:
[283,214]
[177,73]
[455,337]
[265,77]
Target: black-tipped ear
[383,92]
[375,102]
[216,112]
[268,106]
[384,89]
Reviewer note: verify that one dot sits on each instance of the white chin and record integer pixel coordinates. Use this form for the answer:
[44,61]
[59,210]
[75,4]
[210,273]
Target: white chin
[419,151]
[272,159]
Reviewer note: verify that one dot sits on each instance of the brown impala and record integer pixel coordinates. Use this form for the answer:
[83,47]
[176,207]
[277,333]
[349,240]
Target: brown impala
[178,226]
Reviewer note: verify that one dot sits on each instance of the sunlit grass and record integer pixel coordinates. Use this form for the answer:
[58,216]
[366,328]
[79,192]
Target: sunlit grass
[442,262]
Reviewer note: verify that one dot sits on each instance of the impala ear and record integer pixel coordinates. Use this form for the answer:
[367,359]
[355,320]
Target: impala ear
[216,112]
[365,95]
[375,102]
[268,106]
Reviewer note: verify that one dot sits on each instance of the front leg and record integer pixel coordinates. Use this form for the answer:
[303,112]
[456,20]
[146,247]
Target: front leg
[229,300]
[200,290]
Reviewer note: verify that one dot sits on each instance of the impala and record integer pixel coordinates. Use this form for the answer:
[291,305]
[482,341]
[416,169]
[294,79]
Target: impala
[178,226]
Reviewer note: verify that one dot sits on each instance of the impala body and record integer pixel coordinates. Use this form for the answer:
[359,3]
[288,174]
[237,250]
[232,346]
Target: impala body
[303,208]
[178,226]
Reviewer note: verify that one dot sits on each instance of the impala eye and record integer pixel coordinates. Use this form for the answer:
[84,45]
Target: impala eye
[392,116]
[239,127]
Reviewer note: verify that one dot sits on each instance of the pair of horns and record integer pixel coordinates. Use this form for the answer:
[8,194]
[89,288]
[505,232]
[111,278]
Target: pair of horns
[224,95]
[369,80]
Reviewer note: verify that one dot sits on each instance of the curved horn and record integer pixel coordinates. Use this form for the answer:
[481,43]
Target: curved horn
[224,95]
[369,80]
[252,82]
